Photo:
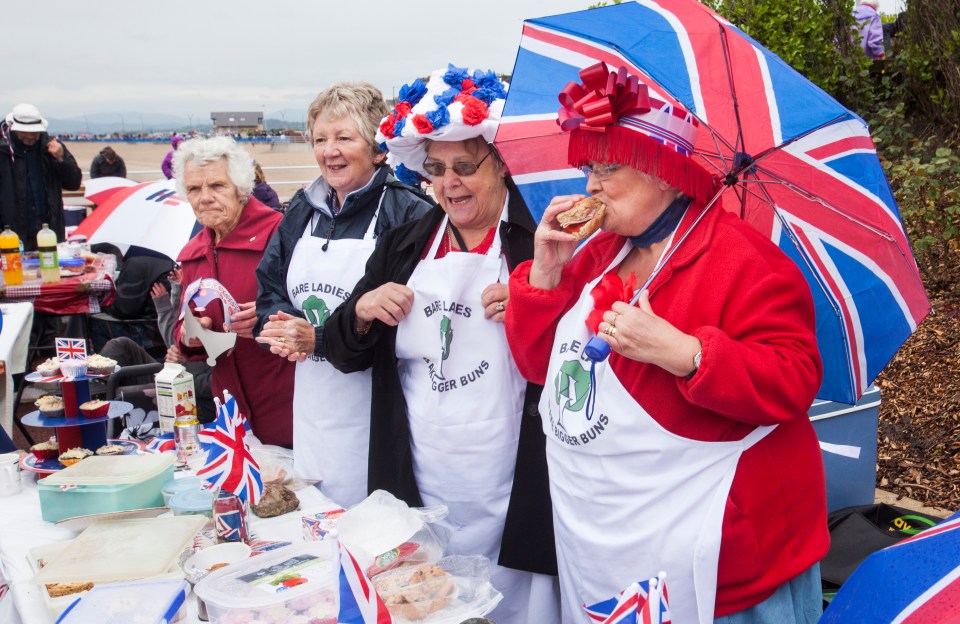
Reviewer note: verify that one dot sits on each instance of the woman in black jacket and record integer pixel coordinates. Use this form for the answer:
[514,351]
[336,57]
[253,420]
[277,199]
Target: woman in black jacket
[311,266]
[452,422]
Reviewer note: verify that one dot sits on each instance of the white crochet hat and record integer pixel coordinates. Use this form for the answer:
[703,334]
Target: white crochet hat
[456,104]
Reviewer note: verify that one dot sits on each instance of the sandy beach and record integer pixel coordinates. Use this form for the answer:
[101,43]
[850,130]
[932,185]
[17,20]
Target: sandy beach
[143,162]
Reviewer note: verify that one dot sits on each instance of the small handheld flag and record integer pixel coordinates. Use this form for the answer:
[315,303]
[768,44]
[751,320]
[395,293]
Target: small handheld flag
[230,465]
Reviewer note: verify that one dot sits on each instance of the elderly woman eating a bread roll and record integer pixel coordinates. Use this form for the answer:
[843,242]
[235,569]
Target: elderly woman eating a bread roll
[452,421]
[688,449]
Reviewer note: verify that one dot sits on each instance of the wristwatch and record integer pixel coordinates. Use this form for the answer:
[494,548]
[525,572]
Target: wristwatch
[696,365]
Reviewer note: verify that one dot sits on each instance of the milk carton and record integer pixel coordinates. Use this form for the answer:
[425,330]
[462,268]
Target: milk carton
[175,395]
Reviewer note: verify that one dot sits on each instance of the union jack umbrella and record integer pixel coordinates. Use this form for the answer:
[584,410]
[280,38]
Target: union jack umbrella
[792,161]
[642,603]
[917,580]
[230,465]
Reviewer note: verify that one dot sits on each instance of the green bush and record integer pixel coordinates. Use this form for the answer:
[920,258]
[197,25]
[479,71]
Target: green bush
[924,174]
[815,37]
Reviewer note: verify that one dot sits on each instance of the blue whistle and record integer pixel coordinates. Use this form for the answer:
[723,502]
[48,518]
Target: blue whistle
[596,350]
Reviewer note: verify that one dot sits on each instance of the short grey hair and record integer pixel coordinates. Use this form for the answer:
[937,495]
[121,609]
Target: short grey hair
[203,151]
[360,101]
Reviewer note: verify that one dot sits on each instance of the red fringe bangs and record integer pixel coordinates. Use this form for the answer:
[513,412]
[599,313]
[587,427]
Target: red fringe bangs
[633,149]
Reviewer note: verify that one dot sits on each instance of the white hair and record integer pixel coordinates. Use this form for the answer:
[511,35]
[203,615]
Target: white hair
[203,151]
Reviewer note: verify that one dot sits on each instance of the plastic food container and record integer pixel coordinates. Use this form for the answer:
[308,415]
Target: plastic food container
[101,484]
[273,588]
[193,503]
[175,486]
[144,602]
[71,262]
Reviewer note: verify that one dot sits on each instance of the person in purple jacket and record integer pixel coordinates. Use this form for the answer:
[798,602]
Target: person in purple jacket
[871,28]
[167,164]
[262,190]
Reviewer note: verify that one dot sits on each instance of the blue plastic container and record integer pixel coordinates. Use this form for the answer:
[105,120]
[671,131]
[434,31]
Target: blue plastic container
[193,503]
[848,441]
[175,486]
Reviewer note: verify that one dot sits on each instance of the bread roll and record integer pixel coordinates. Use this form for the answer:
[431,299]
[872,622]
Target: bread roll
[583,219]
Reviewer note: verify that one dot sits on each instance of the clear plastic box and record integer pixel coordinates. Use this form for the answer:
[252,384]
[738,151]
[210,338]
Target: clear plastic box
[143,602]
[299,580]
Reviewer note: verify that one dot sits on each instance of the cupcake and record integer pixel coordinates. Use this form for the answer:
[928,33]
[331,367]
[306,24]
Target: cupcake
[73,369]
[45,450]
[50,406]
[73,456]
[95,408]
[110,449]
[49,368]
[99,365]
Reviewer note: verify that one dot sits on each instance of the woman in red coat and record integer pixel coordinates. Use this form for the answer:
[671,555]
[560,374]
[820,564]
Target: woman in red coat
[216,176]
[688,450]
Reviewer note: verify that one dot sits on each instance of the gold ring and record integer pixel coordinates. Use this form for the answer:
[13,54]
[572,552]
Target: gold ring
[500,307]
[612,330]
[614,321]
[280,339]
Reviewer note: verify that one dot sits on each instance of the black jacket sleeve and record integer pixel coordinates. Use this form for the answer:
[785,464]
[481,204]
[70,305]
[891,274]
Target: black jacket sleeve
[68,171]
[346,351]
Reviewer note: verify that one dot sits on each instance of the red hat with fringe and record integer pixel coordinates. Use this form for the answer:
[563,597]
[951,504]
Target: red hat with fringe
[612,118]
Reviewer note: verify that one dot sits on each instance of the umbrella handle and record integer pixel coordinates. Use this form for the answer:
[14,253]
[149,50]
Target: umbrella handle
[596,350]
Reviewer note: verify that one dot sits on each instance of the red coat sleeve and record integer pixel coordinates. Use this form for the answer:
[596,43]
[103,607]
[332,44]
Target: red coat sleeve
[531,321]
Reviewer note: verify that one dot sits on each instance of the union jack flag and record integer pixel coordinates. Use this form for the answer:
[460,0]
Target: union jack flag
[71,348]
[645,602]
[359,602]
[230,465]
[163,443]
[804,169]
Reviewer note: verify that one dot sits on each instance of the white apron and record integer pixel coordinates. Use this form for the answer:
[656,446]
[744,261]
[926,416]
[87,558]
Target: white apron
[464,402]
[630,498]
[331,410]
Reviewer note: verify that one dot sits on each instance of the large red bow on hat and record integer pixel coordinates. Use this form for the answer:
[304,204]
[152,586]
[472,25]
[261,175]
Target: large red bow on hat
[602,99]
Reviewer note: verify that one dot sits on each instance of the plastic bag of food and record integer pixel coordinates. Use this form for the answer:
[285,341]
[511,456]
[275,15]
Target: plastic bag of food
[449,590]
[382,532]
[276,464]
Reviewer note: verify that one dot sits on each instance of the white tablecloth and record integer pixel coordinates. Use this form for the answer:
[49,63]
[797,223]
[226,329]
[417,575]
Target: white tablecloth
[14,345]
[22,529]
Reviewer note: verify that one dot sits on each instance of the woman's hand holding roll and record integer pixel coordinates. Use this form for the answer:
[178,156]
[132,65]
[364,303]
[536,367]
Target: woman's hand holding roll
[552,247]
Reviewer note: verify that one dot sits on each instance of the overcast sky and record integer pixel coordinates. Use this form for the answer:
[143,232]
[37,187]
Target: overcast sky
[190,57]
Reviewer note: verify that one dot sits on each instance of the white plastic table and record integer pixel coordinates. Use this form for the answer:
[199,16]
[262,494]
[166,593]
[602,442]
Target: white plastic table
[22,529]
[14,345]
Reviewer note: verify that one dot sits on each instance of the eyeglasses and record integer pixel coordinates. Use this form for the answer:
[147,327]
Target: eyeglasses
[602,171]
[462,169]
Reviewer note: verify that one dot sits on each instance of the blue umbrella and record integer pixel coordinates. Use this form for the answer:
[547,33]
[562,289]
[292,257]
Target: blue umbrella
[915,581]
[793,162]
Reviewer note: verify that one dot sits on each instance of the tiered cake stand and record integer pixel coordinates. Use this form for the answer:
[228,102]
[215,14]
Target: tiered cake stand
[73,429]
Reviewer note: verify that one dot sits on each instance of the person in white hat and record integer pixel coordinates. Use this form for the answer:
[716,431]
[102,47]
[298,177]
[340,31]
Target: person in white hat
[34,169]
[452,421]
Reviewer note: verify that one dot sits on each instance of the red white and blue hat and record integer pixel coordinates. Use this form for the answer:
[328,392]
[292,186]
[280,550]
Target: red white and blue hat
[612,118]
[455,104]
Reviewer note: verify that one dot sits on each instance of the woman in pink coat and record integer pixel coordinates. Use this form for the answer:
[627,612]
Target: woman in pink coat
[216,176]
